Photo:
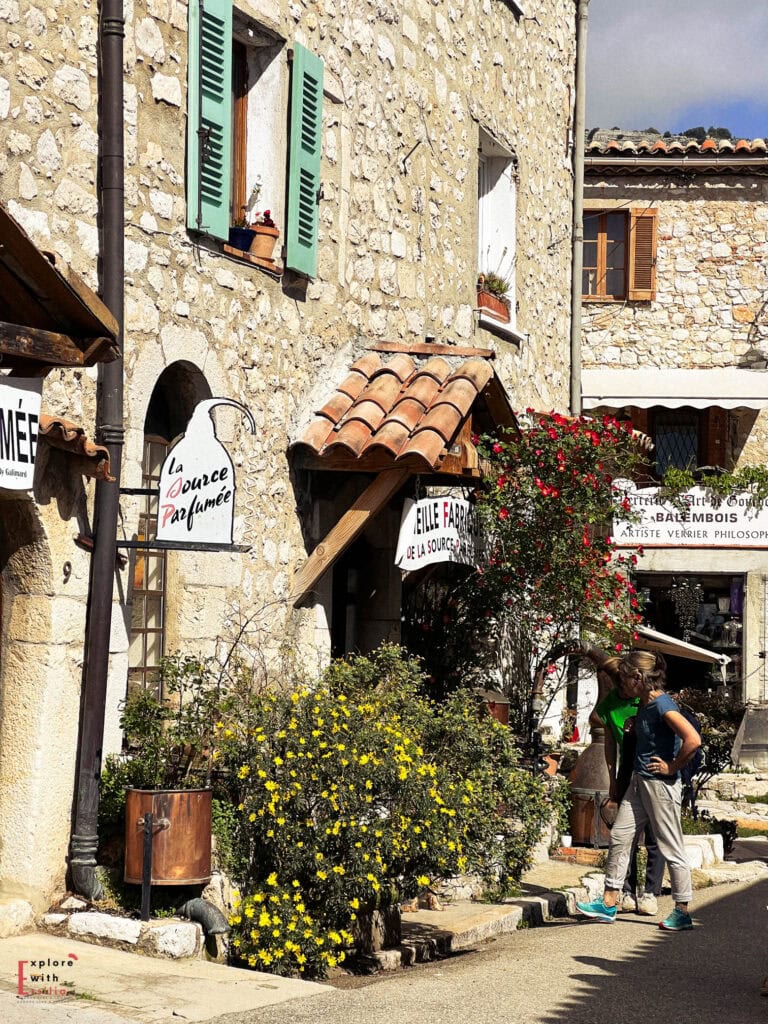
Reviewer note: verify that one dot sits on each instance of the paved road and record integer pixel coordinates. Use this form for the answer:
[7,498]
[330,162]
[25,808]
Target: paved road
[573,973]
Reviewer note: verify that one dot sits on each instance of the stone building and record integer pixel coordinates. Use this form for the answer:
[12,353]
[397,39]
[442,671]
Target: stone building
[675,337]
[400,149]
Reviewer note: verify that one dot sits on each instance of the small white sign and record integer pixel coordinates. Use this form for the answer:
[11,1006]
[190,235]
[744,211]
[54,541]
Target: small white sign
[19,418]
[197,483]
[731,524]
[441,529]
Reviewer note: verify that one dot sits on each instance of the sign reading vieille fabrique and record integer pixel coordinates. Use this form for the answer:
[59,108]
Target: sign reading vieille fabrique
[197,483]
[19,418]
[733,523]
[444,529]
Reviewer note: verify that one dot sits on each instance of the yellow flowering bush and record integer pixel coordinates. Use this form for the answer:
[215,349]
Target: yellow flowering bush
[352,797]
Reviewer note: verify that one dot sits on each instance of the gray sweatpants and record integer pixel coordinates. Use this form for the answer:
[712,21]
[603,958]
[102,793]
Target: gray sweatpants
[657,802]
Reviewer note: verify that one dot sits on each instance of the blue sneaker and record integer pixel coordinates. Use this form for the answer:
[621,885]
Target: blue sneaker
[678,921]
[598,910]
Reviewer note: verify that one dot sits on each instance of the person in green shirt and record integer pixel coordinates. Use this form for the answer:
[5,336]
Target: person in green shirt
[616,710]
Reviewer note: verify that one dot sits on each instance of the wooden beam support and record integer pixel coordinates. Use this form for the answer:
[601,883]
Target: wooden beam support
[348,528]
[43,346]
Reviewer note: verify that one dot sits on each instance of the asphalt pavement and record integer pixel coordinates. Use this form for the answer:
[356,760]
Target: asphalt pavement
[572,972]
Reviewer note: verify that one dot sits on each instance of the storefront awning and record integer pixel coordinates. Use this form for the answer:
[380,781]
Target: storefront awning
[48,315]
[413,413]
[729,387]
[651,640]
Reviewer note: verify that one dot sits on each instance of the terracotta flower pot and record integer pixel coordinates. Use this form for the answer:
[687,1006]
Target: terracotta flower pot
[240,238]
[263,242]
[495,306]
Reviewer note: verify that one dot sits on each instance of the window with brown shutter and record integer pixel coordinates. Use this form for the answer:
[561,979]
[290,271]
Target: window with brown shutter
[619,255]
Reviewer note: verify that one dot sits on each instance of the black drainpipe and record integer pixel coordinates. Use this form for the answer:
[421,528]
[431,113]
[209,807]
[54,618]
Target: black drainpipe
[110,432]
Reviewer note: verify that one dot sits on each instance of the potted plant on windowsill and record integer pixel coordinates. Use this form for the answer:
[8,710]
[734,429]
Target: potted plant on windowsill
[265,235]
[241,234]
[493,295]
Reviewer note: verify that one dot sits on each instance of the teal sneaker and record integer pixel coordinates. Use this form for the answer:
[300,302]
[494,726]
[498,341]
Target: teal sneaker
[598,910]
[678,921]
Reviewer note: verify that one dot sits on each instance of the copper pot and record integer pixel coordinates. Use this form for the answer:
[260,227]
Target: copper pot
[181,845]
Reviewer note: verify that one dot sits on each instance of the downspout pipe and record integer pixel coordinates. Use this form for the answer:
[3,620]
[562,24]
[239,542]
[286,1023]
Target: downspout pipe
[577,261]
[110,432]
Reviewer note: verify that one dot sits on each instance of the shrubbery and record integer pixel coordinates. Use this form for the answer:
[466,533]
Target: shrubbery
[354,794]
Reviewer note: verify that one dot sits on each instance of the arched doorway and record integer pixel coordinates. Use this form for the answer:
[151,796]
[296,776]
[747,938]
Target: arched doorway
[178,390]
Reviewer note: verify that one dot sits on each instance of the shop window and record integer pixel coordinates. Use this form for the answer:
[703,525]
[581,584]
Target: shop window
[239,159]
[148,581]
[675,436]
[619,255]
[497,213]
[685,438]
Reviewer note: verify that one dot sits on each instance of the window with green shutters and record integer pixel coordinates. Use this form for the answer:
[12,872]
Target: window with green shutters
[304,161]
[209,116]
[237,145]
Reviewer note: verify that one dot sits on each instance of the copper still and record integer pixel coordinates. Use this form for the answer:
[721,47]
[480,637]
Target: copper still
[589,788]
[181,844]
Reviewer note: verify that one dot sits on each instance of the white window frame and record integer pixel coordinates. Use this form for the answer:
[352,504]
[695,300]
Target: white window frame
[497,217]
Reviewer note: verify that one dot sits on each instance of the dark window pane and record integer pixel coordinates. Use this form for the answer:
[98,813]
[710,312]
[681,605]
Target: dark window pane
[590,254]
[614,283]
[616,228]
[677,440]
[591,225]
[615,256]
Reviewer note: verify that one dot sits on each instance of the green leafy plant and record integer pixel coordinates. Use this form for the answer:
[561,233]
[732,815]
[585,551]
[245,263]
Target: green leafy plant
[353,801]
[495,284]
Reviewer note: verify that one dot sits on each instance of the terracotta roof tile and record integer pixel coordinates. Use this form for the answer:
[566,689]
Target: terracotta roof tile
[317,434]
[423,388]
[70,437]
[460,392]
[409,412]
[391,436]
[405,408]
[427,444]
[384,390]
[616,145]
[478,371]
[401,365]
[336,406]
[444,419]
[353,436]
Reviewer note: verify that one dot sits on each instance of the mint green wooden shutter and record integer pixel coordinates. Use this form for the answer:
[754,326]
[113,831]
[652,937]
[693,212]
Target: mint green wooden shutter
[209,105]
[304,162]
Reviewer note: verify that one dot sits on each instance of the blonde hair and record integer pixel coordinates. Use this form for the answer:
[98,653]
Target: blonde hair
[650,666]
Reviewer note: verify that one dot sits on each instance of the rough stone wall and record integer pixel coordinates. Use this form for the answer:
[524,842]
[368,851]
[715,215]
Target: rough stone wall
[406,87]
[712,287]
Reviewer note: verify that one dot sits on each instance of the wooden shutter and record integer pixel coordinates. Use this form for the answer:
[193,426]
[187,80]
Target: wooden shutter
[642,255]
[304,161]
[209,107]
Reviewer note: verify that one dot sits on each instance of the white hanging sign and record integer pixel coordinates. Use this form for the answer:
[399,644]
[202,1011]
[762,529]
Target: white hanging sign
[197,483]
[731,524]
[20,401]
[444,529]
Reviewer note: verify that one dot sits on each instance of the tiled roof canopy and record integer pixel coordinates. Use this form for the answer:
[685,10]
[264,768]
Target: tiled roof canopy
[647,151]
[406,412]
[70,437]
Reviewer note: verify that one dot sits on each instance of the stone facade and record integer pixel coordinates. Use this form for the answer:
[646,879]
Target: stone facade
[712,277]
[406,90]
[709,313]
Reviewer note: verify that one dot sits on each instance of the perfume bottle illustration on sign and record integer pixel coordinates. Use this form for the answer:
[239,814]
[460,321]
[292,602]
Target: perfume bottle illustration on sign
[197,482]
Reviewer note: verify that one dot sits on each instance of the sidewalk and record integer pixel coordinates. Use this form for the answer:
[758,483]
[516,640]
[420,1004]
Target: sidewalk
[108,986]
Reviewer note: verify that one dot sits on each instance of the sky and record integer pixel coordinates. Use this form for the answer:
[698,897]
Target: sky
[677,64]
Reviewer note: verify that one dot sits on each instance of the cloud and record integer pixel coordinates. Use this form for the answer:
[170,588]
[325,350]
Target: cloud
[652,62]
